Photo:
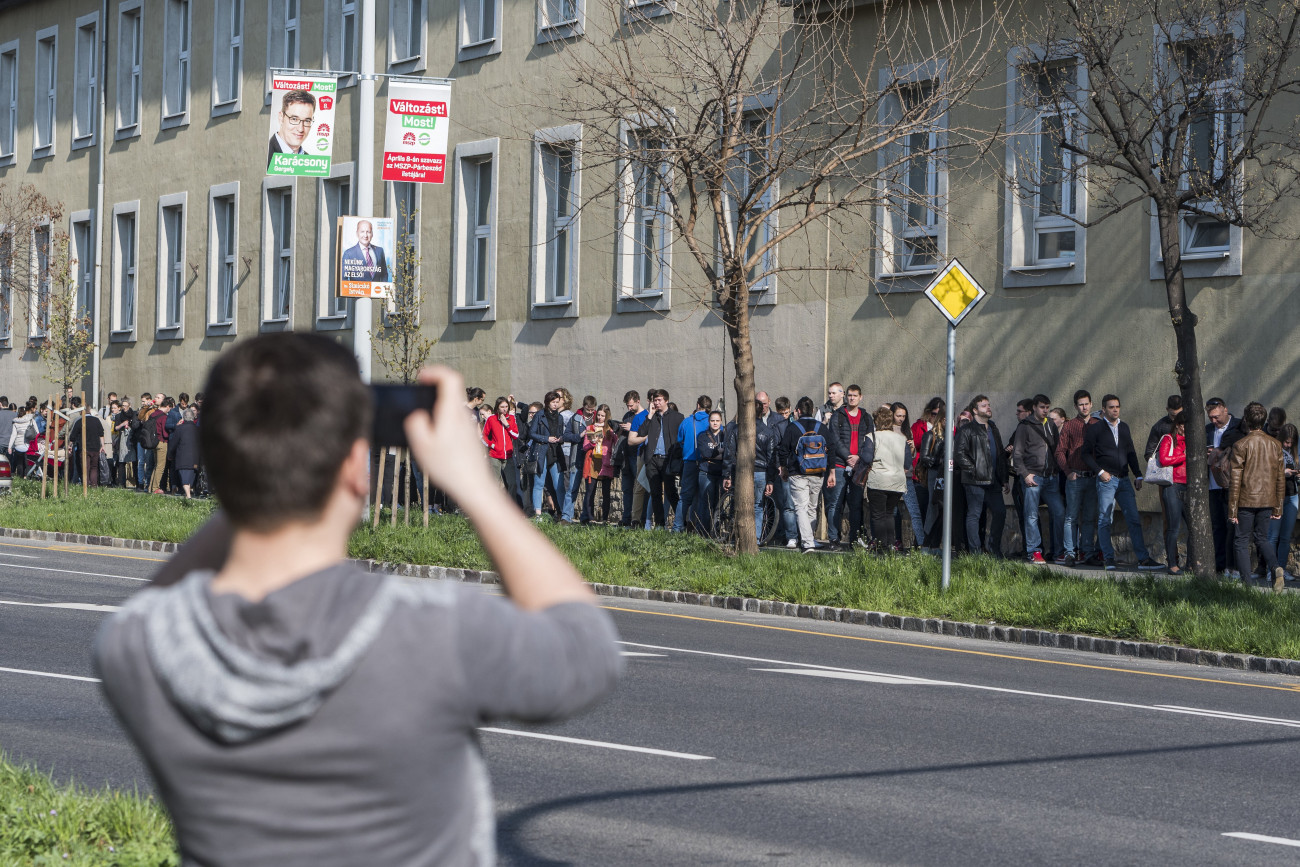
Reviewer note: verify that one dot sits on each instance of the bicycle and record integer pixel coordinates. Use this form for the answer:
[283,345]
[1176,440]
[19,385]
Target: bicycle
[722,526]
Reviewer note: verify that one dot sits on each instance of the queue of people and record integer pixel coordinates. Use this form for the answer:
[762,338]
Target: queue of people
[152,446]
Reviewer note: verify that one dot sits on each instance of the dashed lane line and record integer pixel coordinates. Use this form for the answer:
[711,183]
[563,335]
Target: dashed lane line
[602,744]
[72,606]
[72,572]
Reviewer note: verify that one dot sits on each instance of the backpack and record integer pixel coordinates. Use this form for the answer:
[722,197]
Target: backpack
[147,434]
[810,451]
[1221,467]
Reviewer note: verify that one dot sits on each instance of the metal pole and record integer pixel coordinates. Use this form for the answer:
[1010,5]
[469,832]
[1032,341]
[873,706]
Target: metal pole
[99,199]
[361,307]
[947,456]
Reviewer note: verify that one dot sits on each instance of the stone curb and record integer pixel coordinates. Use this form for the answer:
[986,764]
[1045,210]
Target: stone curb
[933,625]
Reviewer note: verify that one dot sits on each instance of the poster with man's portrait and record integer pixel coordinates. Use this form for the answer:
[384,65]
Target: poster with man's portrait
[302,126]
[366,256]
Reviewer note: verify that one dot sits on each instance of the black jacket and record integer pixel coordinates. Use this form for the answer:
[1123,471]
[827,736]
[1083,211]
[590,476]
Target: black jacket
[764,448]
[841,435]
[971,455]
[183,447]
[710,452]
[1230,436]
[669,422]
[1159,431]
[1100,451]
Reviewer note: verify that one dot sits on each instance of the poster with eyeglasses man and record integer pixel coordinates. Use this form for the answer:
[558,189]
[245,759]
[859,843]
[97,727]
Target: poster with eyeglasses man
[302,125]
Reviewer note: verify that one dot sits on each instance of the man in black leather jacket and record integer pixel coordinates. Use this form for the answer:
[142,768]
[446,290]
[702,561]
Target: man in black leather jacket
[982,461]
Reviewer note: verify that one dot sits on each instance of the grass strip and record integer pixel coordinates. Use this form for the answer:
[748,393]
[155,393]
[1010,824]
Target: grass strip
[1211,616]
[43,823]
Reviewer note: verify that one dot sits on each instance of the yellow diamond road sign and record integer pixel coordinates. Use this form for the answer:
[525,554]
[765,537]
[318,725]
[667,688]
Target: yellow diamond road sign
[955,292]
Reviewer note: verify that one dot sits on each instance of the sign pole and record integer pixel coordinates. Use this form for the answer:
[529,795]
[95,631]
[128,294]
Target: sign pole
[948,418]
[361,307]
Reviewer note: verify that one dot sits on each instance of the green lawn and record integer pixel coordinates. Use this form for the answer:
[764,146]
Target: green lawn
[1219,617]
[44,824]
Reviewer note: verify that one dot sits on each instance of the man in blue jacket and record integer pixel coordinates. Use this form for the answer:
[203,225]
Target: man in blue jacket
[687,432]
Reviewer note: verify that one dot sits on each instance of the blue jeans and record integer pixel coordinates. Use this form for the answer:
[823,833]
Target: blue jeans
[760,483]
[551,470]
[979,497]
[690,490]
[785,503]
[913,506]
[1119,490]
[1080,517]
[1044,491]
[573,480]
[833,500]
[143,465]
[1279,532]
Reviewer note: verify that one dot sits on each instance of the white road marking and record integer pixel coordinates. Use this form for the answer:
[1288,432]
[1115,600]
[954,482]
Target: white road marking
[586,743]
[895,678]
[634,653]
[1260,838]
[864,676]
[50,674]
[24,556]
[71,572]
[74,606]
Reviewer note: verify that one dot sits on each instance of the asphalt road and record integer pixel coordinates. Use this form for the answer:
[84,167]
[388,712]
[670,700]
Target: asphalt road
[745,739]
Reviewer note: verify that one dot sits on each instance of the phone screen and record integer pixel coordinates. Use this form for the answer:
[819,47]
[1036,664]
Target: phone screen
[393,403]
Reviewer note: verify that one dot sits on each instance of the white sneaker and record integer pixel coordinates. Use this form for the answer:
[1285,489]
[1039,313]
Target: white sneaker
[793,543]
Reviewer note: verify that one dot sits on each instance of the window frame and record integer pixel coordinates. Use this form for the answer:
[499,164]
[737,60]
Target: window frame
[50,99]
[543,303]
[9,128]
[85,260]
[117,332]
[474,49]
[764,107]
[232,44]
[641,10]
[38,307]
[277,256]
[279,26]
[328,319]
[412,9]
[1218,261]
[563,28]
[630,299]
[392,209]
[466,154]
[1022,224]
[130,75]
[87,90]
[166,265]
[335,13]
[215,326]
[181,66]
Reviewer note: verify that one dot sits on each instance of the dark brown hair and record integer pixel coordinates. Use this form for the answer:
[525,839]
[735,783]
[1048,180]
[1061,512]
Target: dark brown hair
[273,436]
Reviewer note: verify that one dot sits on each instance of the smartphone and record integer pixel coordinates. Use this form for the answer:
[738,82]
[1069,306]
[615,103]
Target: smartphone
[393,403]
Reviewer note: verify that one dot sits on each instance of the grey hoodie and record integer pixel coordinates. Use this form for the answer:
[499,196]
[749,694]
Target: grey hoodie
[332,723]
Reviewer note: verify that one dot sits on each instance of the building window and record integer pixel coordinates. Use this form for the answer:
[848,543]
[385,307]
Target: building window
[83,264]
[479,28]
[559,19]
[227,56]
[1047,193]
[1206,67]
[556,168]
[341,39]
[476,201]
[125,256]
[43,280]
[281,37]
[8,101]
[912,223]
[645,236]
[406,34]
[6,287]
[130,59]
[752,167]
[176,63]
[85,91]
[47,85]
[171,263]
[335,201]
[277,260]
[404,207]
[223,257]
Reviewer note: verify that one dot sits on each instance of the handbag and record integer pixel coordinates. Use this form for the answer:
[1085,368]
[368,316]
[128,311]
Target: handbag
[1157,474]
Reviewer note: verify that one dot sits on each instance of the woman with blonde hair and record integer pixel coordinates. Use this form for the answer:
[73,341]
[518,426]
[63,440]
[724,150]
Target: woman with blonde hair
[597,464]
[888,480]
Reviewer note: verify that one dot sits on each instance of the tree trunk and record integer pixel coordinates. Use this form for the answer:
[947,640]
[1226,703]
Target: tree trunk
[1187,372]
[85,478]
[397,466]
[379,487]
[406,490]
[736,311]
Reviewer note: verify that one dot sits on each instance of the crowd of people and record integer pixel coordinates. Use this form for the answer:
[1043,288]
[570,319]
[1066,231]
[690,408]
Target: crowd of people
[152,446]
[869,471]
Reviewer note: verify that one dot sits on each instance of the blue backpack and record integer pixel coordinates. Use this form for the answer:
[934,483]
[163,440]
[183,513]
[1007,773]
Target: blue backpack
[810,451]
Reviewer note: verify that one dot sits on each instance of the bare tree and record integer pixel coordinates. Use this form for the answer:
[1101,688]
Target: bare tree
[1174,107]
[68,337]
[727,130]
[33,254]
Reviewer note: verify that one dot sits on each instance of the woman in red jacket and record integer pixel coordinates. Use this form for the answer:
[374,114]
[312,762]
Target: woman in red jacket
[499,434]
[1172,452]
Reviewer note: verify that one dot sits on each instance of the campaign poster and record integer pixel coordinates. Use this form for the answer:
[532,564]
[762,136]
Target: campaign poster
[366,250]
[302,125]
[415,137]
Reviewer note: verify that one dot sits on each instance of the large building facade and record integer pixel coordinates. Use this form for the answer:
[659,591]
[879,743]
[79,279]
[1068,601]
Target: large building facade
[196,247]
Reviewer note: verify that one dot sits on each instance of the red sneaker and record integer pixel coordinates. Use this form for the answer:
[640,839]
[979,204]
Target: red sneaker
[1037,559]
